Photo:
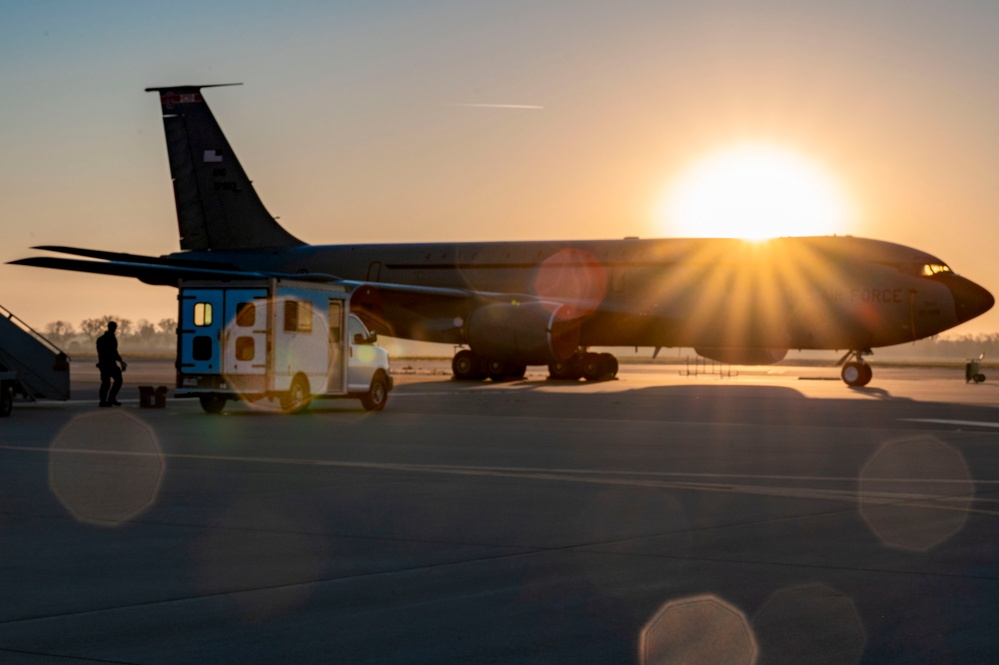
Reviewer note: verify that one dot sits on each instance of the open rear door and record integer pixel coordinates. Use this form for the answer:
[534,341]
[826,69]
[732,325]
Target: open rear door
[201,334]
[336,377]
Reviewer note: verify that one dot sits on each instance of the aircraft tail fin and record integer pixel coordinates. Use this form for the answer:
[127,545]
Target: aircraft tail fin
[217,207]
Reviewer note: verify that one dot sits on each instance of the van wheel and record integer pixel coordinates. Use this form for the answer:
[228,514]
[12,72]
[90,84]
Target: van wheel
[6,400]
[298,397]
[377,395]
[212,403]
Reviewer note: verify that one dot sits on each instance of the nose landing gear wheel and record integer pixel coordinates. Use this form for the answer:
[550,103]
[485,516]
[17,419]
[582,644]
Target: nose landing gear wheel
[857,374]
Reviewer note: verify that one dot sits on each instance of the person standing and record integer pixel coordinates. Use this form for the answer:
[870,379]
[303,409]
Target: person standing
[107,362]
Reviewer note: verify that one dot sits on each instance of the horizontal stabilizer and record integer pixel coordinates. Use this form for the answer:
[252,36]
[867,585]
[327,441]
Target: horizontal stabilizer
[135,258]
[194,88]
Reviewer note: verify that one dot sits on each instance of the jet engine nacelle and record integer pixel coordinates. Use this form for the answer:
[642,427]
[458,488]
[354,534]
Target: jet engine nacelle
[737,356]
[531,333]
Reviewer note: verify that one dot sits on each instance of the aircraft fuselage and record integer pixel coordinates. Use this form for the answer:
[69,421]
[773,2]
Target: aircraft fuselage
[836,292]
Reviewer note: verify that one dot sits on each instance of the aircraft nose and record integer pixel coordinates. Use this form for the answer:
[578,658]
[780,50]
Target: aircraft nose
[970,300]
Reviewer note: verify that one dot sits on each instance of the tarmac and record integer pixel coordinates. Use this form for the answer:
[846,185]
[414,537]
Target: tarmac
[770,515]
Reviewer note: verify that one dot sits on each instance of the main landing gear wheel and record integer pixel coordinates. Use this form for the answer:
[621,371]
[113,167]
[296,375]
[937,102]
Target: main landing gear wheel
[857,374]
[496,369]
[566,370]
[468,366]
[501,370]
[599,366]
[611,365]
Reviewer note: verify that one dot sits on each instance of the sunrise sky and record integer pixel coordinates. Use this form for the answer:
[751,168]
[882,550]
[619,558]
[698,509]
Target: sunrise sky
[439,121]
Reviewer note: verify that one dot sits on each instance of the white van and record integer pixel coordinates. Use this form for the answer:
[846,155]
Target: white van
[275,339]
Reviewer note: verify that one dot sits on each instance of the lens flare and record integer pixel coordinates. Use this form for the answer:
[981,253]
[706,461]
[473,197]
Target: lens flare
[810,623]
[106,468]
[264,559]
[244,371]
[699,629]
[915,493]
[574,277]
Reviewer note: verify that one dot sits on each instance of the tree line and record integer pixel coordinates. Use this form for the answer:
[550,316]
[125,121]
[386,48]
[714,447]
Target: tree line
[946,347]
[142,336]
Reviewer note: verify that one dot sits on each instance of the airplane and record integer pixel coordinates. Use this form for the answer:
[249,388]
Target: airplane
[507,305]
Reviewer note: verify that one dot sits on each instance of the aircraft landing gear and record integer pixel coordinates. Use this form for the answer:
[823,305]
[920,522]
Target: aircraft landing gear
[500,370]
[467,365]
[599,366]
[590,366]
[856,373]
[566,370]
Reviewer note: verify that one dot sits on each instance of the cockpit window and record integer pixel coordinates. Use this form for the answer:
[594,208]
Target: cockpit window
[918,269]
[930,269]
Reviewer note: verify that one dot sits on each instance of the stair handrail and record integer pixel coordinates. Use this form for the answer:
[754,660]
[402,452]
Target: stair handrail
[9,315]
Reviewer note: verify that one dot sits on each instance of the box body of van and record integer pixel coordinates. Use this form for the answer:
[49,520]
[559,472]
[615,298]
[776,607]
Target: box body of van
[275,339]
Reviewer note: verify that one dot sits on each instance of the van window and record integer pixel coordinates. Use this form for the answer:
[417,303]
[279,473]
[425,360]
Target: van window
[246,314]
[201,348]
[355,327]
[202,314]
[297,316]
[244,348]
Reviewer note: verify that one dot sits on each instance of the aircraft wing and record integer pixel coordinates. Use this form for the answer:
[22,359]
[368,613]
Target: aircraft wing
[430,313]
[150,273]
[167,272]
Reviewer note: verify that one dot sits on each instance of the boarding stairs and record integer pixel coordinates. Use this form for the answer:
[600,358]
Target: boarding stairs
[39,369]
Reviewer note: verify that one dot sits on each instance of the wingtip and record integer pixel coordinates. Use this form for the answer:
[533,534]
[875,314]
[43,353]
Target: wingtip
[31,261]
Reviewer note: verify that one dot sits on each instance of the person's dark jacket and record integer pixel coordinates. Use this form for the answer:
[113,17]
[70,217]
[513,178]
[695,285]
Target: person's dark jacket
[107,350]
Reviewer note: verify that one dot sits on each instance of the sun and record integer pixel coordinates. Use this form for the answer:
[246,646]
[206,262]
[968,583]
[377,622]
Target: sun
[754,192]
